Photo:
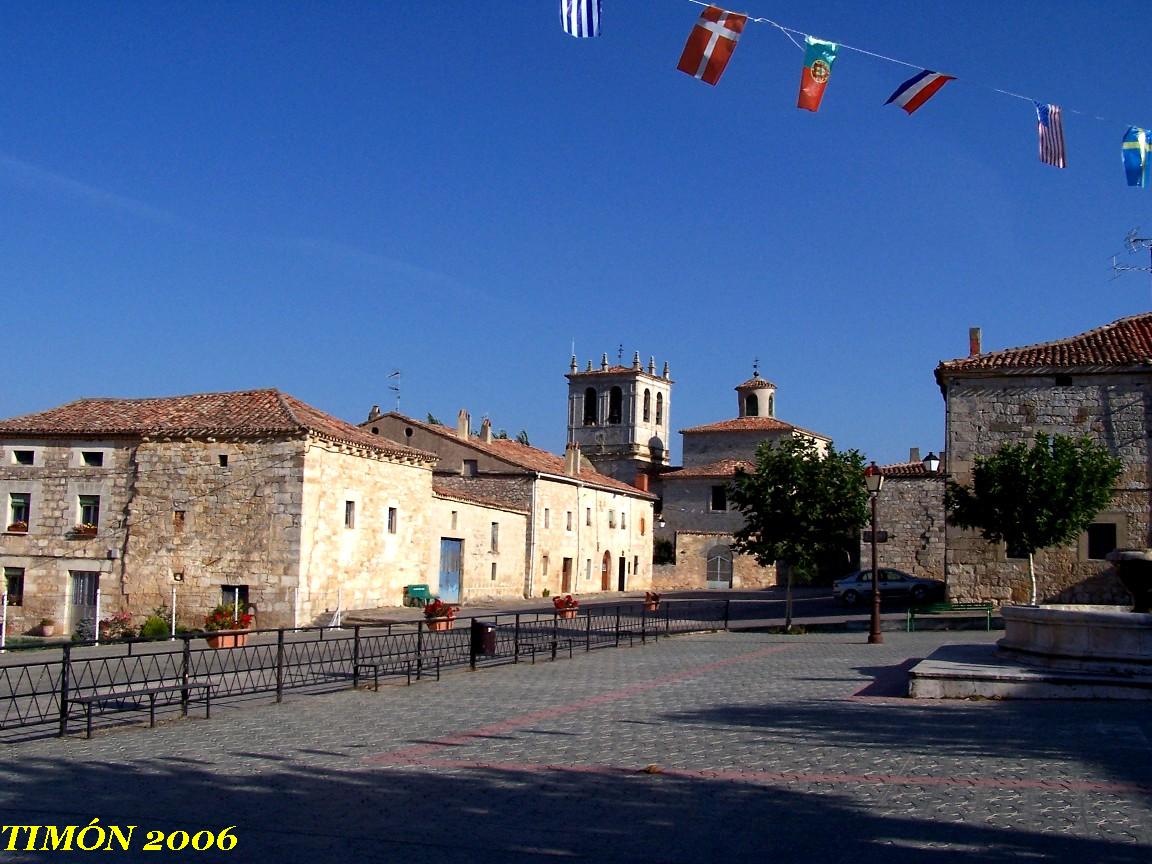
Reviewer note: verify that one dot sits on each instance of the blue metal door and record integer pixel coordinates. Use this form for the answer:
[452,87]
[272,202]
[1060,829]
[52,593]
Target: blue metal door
[451,563]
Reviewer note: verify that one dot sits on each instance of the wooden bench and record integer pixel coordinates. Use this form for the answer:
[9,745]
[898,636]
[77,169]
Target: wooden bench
[948,609]
[407,668]
[535,643]
[91,699]
[417,595]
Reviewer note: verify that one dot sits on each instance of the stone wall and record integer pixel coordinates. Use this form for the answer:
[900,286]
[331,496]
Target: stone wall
[911,510]
[690,572]
[984,413]
[50,551]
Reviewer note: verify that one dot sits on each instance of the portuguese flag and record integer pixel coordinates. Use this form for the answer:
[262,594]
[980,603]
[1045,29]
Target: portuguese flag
[818,59]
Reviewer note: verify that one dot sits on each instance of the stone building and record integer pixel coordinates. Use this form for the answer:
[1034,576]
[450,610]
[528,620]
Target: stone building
[695,512]
[252,494]
[583,531]
[910,519]
[1097,384]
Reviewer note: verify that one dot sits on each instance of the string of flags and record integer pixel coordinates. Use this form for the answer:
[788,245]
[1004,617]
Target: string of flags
[713,39]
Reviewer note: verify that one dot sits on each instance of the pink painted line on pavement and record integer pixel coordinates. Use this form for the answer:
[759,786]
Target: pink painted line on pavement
[771,778]
[414,753]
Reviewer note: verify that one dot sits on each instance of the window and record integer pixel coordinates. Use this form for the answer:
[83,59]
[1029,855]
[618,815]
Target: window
[89,509]
[544,566]
[23,457]
[771,406]
[659,409]
[392,520]
[495,547]
[647,404]
[1101,539]
[615,405]
[588,570]
[547,518]
[223,460]
[230,594]
[588,516]
[635,563]
[493,571]
[92,458]
[719,499]
[568,520]
[14,585]
[453,520]
[720,566]
[471,468]
[643,526]
[590,414]
[611,518]
[751,405]
[19,510]
[623,520]
[177,521]
[349,514]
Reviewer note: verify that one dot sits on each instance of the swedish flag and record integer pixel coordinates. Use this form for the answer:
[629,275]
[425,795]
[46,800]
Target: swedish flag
[1137,159]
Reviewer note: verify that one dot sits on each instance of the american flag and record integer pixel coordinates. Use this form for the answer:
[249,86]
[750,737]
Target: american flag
[581,18]
[1051,135]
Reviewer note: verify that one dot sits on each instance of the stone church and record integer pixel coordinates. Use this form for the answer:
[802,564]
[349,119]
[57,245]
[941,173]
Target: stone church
[620,418]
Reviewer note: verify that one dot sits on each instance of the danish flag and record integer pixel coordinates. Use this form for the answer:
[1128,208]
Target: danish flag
[711,43]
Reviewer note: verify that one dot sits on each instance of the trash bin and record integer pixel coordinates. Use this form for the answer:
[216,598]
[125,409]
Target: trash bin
[483,638]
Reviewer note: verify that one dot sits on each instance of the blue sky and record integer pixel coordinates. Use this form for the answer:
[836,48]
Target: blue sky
[216,196]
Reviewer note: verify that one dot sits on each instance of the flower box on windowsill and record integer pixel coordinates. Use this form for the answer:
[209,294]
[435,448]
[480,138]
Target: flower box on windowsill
[84,531]
[18,528]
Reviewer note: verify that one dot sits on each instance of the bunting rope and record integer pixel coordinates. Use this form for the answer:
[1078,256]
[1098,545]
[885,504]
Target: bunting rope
[791,33]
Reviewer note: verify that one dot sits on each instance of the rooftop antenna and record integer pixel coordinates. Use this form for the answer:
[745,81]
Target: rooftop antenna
[620,355]
[1134,244]
[395,387]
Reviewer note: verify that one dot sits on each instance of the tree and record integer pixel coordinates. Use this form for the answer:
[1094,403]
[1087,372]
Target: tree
[1034,497]
[799,505]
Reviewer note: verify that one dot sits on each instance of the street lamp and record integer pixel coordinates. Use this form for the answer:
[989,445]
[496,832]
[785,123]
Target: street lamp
[874,482]
[931,463]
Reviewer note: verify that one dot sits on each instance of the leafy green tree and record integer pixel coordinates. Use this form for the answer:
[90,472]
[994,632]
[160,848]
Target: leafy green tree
[799,505]
[1034,497]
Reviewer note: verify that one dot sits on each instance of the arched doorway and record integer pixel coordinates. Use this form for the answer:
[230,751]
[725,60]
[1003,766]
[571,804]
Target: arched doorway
[606,572]
[719,573]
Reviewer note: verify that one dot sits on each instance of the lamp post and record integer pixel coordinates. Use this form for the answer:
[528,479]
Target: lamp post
[931,463]
[874,481]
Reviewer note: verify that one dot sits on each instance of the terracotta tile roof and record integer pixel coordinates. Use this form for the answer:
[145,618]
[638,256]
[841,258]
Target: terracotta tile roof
[524,456]
[242,414]
[722,468]
[755,383]
[466,496]
[909,469]
[752,424]
[1121,344]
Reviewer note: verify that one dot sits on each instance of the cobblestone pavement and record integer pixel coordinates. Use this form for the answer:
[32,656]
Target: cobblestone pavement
[725,746]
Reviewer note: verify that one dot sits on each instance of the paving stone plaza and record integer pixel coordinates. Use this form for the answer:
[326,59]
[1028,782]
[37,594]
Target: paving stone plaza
[710,747]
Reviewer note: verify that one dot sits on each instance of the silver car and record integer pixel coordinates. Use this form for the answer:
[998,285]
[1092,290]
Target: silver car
[893,583]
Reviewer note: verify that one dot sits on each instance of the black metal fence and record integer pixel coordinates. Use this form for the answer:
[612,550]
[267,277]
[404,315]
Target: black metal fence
[40,691]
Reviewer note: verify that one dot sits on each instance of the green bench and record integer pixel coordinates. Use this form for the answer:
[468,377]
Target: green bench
[417,595]
[948,609]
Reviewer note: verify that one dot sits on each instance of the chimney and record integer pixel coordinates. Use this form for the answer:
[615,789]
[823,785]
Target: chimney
[913,454]
[641,481]
[572,460]
[374,414]
[486,431]
[463,424]
[973,341]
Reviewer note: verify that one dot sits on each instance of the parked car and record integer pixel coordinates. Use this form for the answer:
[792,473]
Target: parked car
[893,583]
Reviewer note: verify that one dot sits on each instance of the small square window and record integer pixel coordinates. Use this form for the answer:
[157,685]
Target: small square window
[92,458]
[14,585]
[471,468]
[392,520]
[719,498]
[230,594]
[24,457]
[223,460]
[1101,539]
[349,514]
[89,506]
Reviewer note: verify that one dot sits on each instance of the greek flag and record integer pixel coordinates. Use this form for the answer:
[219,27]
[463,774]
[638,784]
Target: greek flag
[581,18]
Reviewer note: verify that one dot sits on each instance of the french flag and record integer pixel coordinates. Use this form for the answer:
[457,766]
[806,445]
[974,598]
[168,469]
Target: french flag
[919,89]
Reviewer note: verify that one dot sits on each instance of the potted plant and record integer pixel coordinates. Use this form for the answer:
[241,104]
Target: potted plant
[651,601]
[117,626]
[439,615]
[566,606]
[227,621]
[47,626]
[18,527]
[85,529]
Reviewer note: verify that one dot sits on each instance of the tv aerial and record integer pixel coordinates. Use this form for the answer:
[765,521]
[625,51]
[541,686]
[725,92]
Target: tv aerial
[1134,243]
[395,386]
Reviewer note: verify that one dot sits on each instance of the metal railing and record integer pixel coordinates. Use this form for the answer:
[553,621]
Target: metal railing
[39,692]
